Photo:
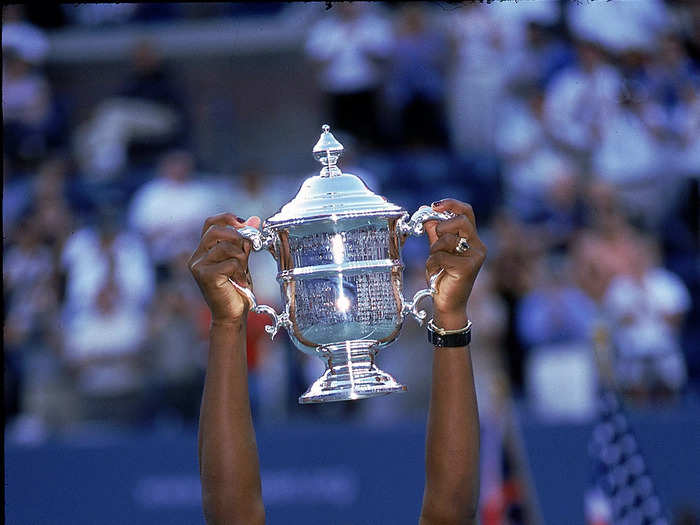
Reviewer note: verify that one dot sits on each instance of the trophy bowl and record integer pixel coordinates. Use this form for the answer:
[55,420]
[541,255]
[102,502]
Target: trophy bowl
[338,251]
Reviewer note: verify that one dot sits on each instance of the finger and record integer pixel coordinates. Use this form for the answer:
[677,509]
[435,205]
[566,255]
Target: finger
[452,262]
[216,234]
[445,243]
[222,228]
[233,270]
[219,251]
[222,219]
[459,225]
[226,250]
[230,268]
[434,263]
[253,221]
[225,232]
[441,260]
[456,207]
[430,227]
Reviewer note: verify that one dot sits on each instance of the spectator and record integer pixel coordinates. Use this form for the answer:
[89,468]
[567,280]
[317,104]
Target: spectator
[488,311]
[144,119]
[54,216]
[532,163]
[562,213]
[152,81]
[647,308]
[32,294]
[514,251]
[94,254]
[176,352]
[578,99]
[417,81]
[27,41]
[28,261]
[255,193]
[103,349]
[479,43]
[522,131]
[685,123]
[32,122]
[541,56]
[169,229]
[629,156]
[109,284]
[349,46]
[556,311]
[556,322]
[31,290]
[620,26]
[681,242]
[606,248]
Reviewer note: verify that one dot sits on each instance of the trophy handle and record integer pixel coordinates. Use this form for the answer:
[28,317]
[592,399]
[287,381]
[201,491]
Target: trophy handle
[260,241]
[414,226]
[411,307]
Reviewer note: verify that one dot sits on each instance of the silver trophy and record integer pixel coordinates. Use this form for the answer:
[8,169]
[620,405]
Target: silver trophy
[338,251]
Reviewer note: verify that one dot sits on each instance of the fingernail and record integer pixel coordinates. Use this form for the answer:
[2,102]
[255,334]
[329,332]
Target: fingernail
[436,203]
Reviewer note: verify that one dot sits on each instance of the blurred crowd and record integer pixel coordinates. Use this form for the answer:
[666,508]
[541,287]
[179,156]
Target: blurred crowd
[572,128]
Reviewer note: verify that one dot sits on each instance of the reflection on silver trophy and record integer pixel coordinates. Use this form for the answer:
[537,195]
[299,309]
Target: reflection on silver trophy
[338,251]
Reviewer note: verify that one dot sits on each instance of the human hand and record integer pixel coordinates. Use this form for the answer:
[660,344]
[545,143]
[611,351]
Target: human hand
[222,254]
[460,269]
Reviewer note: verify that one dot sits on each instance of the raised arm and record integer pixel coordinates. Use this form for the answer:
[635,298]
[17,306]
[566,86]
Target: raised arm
[452,450]
[228,455]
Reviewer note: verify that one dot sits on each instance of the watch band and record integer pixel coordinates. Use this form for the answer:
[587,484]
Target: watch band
[449,338]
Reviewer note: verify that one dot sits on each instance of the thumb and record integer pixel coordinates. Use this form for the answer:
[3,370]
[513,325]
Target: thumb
[431,231]
[253,221]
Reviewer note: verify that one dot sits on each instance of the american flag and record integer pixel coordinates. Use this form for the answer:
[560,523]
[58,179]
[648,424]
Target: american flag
[621,492]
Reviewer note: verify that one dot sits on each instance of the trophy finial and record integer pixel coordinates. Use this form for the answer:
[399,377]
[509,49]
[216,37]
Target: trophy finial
[327,151]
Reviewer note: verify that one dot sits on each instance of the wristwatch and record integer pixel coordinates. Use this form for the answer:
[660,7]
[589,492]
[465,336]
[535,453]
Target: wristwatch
[449,338]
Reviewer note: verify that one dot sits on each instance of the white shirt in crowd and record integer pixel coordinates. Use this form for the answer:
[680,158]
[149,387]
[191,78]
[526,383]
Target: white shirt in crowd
[112,337]
[28,41]
[631,158]
[576,102]
[628,150]
[621,25]
[87,266]
[638,308]
[170,214]
[348,49]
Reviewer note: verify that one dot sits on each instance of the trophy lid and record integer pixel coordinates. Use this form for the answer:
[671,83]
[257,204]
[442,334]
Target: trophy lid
[331,193]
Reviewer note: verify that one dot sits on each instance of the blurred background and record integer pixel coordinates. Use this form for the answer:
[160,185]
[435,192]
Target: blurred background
[573,128]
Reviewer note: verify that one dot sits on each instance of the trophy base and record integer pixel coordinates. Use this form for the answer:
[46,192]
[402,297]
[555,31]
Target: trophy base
[350,374]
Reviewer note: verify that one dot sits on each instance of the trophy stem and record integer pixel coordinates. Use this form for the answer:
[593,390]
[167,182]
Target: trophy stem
[350,374]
